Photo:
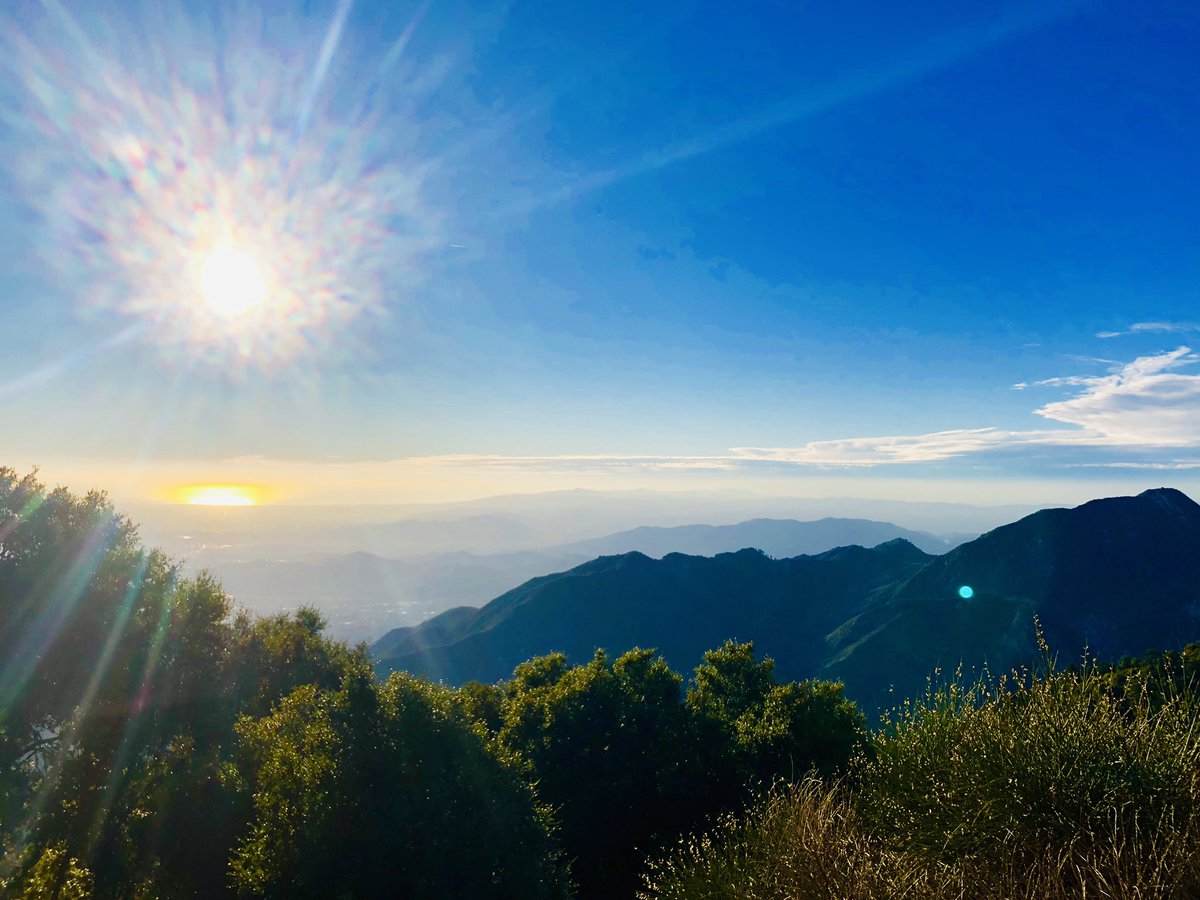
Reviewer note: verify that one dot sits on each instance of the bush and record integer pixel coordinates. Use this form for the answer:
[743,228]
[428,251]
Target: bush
[628,763]
[1108,784]
[1031,787]
[803,841]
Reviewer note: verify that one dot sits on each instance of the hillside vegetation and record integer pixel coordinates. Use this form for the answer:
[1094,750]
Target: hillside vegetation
[156,742]
[1040,787]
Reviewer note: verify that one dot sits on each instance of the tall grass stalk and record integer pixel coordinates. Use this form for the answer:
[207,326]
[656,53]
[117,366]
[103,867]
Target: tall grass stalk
[1030,786]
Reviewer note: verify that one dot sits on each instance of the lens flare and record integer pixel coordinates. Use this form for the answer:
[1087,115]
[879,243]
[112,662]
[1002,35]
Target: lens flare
[966,592]
[228,182]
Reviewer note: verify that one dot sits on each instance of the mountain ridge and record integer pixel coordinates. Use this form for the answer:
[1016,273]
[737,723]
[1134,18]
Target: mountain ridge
[365,592]
[1074,568]
[875,618]
[774,536]
[606,595]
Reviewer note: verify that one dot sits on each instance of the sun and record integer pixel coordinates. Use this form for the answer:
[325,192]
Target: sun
[220,495]
[233,282]
[214,192]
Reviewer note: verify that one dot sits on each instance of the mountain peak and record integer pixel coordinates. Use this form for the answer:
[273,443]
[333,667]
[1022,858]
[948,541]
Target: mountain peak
[1163,504]
[1172,499]
[1117,575]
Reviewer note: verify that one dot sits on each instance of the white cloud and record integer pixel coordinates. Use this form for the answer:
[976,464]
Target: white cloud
[1066,381]
[1139,416]
[1144,403]
[573,461]
[1177,465]
[874,451]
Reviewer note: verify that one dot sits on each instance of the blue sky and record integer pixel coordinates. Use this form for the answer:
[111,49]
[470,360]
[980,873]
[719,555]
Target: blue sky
[945,251]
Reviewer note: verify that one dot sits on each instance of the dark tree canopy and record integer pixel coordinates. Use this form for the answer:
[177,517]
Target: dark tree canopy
[141,720]
[628,764]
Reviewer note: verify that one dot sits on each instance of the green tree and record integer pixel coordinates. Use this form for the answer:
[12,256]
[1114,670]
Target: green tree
[752,730]
[385,791]
[55,875]
[121,686]
[606,745]
[75,586]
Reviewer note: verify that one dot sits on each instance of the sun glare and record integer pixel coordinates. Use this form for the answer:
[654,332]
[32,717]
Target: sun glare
[220,495]
[214,191]
[232,281]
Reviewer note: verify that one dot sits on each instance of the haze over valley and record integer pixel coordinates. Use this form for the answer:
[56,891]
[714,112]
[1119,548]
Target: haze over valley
[373,569]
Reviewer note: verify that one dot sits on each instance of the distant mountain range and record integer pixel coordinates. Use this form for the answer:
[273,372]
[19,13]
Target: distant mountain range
[774,537]
[365,594]
[1120,575]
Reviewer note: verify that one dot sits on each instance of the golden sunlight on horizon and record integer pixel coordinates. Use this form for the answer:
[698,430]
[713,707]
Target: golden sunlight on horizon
[219,495]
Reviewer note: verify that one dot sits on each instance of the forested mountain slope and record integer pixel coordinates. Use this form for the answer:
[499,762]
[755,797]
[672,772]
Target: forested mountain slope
[1115,576]
[674,604]
[1119,576]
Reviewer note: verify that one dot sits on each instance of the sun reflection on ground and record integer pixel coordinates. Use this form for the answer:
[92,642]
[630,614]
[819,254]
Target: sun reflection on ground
[220,495]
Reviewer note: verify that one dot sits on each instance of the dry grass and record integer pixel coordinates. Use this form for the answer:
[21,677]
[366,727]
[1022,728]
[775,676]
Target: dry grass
[802,841]
[807,842]
[1038,789]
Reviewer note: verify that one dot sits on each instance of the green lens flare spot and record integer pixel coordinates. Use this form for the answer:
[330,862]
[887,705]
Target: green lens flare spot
[966,592]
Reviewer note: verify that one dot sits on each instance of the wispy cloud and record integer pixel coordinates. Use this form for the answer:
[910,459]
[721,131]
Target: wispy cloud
[1144,405]
[1177,465]
[1153,328]
[573,461]
[875,451]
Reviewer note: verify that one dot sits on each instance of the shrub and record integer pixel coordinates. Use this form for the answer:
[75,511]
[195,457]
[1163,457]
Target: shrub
[803,841]
[1051,771]
[1031,787]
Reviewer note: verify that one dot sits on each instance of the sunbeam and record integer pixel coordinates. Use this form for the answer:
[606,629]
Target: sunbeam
[135,718]
[932,56]
[66,739]
[59,596]
[328,47]
[71,361]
